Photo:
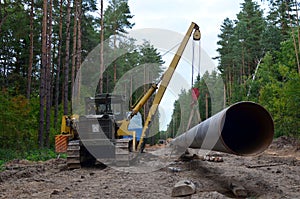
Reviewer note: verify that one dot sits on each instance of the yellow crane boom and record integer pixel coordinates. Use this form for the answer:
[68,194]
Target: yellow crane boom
[194,28]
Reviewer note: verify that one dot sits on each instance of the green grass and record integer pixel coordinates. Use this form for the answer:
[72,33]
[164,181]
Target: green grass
[40,155]
[32,155]
[2,165]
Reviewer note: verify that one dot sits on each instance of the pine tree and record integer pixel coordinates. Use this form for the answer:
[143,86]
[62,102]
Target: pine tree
[116,20]
[226,61]
[241,49]
[66,63]
[280,15]
[58,69]
[29,75]
[249,30]
[43,76]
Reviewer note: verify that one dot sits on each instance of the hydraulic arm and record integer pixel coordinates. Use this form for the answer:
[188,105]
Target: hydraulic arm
[194,28]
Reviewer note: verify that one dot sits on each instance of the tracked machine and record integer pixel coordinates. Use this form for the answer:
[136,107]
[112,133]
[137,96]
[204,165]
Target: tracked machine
[102,132]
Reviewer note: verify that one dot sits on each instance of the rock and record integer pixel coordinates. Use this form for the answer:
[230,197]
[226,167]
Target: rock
[183,188]
[55,192]
[238,190]
[174,169]
[212,158]
[92,173]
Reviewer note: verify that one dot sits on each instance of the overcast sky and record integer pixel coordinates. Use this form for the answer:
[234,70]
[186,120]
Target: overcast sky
[176,15]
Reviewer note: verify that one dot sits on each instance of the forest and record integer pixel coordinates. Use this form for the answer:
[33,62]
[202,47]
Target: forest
[258,61]
[43,44]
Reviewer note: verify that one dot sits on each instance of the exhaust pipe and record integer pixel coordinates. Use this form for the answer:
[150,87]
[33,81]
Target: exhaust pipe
[245,128]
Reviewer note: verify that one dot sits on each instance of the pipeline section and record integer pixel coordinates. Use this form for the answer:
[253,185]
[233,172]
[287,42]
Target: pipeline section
[244,128]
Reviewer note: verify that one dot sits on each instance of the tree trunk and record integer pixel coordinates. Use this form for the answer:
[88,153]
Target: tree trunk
[295,46]
[224,96]
[48,76]
[67,57]
[3,14]
[77,69]
[42,76]
[131,94]
[230,86]
[206,105]
[74,53]
[227,85]
[101,49]
[58,64]
[242,72]
[115,65]
[30,52]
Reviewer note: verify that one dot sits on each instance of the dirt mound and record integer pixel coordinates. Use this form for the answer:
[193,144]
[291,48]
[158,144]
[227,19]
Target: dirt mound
[285,142]
[17,169]
[285,147]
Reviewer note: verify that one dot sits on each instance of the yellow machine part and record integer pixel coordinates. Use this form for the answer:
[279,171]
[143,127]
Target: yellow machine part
[194,28]
[123,131]
[66,132]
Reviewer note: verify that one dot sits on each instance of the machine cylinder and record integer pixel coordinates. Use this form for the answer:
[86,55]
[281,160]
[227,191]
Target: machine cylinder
[245,128]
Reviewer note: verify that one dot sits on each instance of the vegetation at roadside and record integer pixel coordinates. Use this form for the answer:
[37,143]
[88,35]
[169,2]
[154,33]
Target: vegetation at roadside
[31,155]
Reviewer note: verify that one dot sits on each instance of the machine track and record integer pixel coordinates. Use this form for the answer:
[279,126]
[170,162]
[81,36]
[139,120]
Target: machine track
[73,155]
[122,153]
[77,154]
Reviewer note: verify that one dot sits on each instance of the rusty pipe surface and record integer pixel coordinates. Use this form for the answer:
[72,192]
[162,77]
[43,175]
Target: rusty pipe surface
[244,128]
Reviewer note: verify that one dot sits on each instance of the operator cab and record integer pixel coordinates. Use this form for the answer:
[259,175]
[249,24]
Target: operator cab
[106,104]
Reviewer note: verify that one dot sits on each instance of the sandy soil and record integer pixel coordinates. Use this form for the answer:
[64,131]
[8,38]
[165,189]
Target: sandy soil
[273,174]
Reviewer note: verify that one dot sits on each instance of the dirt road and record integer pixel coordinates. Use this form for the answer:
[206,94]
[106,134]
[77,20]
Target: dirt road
[273,174]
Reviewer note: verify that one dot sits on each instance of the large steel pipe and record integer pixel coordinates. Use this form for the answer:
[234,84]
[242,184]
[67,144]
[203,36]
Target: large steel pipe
[245,128]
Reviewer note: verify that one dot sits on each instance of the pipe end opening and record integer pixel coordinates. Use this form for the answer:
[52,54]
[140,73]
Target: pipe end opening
[248,129]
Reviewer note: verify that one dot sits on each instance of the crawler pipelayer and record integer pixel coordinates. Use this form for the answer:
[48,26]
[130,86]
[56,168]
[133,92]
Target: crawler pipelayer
[105,124]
